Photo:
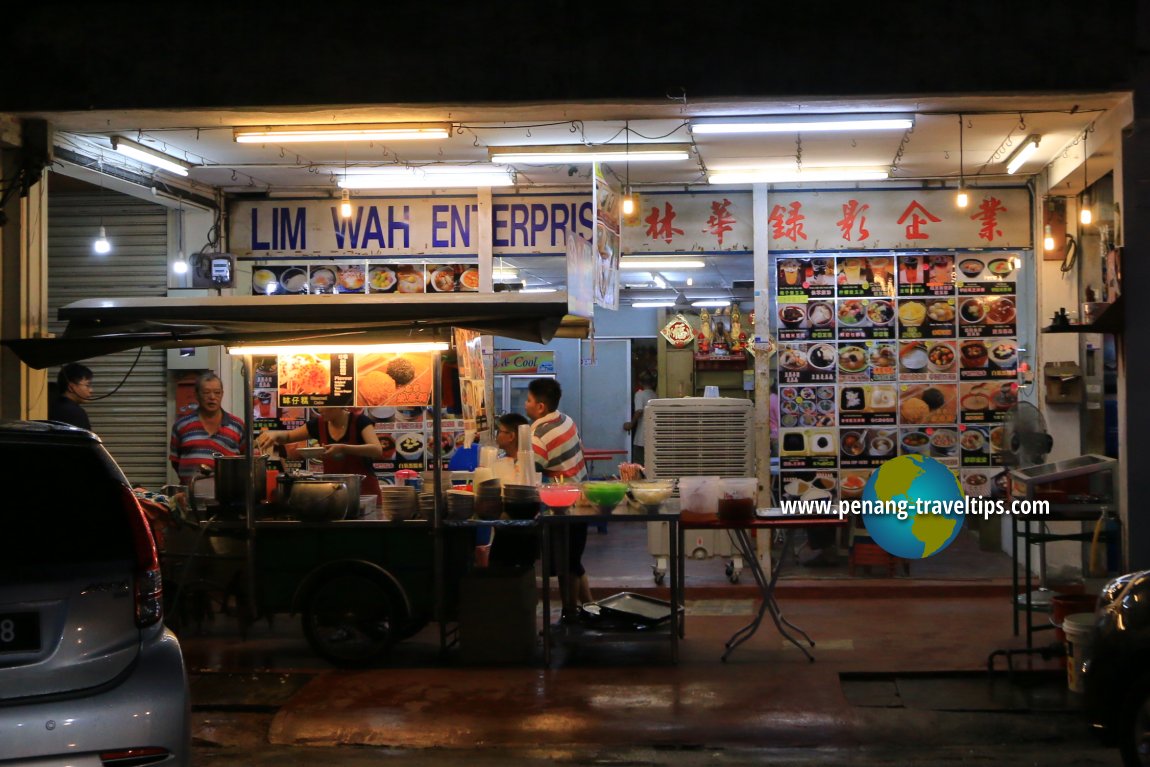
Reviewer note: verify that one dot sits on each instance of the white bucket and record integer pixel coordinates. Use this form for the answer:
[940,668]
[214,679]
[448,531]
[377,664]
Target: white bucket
[1079,628]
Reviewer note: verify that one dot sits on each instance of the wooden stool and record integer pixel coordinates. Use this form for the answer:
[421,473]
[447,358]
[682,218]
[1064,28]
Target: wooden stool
[866,553]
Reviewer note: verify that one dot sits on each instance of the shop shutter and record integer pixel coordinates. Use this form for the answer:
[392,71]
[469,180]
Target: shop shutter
[133,421]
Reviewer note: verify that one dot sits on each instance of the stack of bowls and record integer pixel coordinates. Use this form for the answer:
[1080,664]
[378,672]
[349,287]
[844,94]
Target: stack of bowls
[489,499]
[426,505]
[398,502]
[521,501]
[460,504]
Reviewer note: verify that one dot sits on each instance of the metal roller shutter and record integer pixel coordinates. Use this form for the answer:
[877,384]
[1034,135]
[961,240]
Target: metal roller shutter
[133,421]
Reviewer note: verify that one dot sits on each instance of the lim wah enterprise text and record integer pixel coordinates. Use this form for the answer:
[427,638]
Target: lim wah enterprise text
[974,507]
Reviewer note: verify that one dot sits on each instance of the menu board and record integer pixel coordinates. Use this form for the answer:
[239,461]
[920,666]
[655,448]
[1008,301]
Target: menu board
[886,355]
[363,277]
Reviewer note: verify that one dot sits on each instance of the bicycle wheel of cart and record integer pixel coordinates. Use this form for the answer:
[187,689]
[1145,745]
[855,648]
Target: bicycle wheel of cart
[349,618]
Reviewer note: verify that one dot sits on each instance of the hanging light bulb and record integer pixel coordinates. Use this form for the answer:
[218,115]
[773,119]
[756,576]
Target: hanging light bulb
[628,204]
[180,266]
[962,199]
[345,204]
[101,246]
[1048,240]
[1085,215]
[628,198]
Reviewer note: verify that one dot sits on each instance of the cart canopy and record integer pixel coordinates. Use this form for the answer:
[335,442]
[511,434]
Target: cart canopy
[108,325]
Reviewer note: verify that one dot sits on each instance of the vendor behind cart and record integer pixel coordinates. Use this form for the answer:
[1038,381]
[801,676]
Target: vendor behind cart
[351,444]
[200,435]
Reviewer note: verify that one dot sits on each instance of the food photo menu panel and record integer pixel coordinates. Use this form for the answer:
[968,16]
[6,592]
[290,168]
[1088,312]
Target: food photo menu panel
[885,355]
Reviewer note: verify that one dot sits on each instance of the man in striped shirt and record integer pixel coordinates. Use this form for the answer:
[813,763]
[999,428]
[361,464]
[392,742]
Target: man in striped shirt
[208,430]
[559,455]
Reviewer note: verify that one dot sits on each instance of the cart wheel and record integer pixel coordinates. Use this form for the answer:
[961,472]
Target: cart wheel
[348,619]
[659,576]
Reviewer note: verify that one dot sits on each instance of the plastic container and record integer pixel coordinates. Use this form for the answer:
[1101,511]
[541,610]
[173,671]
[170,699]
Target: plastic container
[737,497]
[1063,605]
[699,495]
[1079,629]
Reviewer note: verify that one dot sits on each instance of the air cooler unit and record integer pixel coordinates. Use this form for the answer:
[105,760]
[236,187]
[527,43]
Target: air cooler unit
[697,437]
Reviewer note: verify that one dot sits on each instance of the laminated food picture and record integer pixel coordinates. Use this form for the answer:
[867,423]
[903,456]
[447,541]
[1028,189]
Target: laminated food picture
[394,380]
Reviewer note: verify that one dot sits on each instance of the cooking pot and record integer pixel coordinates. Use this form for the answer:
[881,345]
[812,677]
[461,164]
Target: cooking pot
[233,480]
[319,497]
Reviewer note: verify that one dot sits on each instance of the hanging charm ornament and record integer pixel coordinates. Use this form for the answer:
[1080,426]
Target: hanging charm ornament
[678,332]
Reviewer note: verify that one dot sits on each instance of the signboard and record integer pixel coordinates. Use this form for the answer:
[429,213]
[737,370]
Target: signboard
[608,241]
[514,362]
[408,226]
[678,222]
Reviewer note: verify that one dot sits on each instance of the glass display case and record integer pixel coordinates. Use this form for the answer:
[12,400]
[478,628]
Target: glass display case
[1082,490]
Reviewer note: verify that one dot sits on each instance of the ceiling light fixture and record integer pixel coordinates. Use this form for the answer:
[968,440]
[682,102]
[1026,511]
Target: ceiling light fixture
[801,124]
[285,134]
[581,153]
[1085,215]
[417,346]
[429,176]
[711,303]
[101,246]
[539,290]
[180,265]
[652,304]
[150,156]
[345,204]
[664,263]
[789,174]
[1022,154]
[962,199]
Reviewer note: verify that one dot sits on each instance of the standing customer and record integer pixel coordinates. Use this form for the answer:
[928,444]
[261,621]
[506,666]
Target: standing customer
[511,547]
[208,430]
[645,394]
[559,454]
[350,447]
[73,389]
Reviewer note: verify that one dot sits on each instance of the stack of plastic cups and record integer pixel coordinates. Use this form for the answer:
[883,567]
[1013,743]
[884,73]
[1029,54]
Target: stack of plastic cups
[526,457]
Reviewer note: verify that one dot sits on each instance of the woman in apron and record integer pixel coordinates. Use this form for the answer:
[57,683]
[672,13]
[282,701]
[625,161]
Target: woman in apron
[351,444]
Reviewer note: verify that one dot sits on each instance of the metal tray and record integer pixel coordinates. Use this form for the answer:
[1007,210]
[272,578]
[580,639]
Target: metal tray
[634,607]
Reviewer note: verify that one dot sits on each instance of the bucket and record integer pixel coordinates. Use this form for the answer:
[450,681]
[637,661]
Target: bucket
[1063,605]
[1079,628]
[737,498]
[699,495]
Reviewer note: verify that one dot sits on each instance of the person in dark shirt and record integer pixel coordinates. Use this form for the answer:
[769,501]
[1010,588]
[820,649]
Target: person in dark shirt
[73,389]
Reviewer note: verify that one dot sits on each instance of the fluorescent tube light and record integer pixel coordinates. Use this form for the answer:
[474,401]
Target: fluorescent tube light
[429,176]
[1022,154]
[580,153]
[150,156]
[430,346]
[504,274]
[664,263]
[801,124]
[791,175]
[652,304]
[716,303]
[539,290]
[284,134]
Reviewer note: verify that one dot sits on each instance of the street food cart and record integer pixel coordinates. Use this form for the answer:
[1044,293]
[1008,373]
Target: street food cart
[359,585]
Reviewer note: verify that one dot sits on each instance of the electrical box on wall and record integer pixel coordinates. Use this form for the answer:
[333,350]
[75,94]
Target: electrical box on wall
[213,270]
[1064,383]
[190,358]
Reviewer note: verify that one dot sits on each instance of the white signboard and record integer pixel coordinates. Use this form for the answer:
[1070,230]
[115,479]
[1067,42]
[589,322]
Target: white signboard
[903,219]
[408,226]
[670,222]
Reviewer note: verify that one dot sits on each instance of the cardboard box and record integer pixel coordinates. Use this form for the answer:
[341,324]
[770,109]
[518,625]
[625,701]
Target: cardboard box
[1064,383]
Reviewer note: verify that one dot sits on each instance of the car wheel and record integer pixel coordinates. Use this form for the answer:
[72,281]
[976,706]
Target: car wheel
[349,620]
[1134,725]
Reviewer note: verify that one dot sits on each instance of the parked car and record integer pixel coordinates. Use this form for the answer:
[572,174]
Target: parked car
[88,672]
[1117,675]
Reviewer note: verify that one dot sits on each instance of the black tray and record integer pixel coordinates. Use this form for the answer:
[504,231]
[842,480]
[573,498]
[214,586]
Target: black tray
[634,608]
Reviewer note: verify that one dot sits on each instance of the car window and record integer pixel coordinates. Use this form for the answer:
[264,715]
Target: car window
[71,512]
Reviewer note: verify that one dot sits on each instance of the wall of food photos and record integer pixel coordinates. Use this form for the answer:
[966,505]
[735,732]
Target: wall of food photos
[394,390]
[363,276]
[886,355]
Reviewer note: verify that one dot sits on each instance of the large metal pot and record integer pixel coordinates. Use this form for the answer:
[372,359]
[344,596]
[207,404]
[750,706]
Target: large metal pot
[233,480]
[322,497]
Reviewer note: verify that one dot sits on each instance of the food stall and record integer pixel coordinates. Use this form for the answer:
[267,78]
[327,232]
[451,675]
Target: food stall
[360,585]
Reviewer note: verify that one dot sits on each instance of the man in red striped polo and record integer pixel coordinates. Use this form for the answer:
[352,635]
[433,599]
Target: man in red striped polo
[559,454]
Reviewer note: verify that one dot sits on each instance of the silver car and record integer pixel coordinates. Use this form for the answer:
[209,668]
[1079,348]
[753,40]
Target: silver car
[88,673]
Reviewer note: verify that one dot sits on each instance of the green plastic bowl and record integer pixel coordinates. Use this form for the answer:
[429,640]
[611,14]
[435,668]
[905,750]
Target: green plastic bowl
[605,495]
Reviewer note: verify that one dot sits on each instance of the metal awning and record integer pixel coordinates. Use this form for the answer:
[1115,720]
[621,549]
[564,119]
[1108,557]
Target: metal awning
[99,326]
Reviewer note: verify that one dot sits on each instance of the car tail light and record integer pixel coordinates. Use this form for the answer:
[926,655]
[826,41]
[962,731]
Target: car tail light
[149,588]
[134,757]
